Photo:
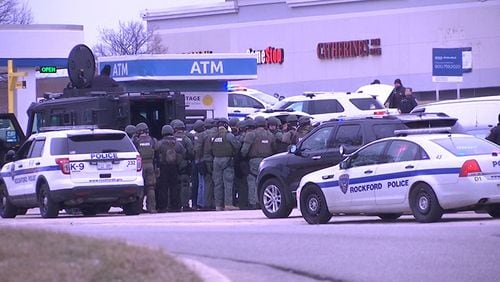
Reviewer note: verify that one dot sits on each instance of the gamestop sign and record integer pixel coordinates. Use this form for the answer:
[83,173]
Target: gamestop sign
[270,55]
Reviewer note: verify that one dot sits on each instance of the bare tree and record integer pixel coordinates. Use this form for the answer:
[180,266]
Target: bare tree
[11,12]
[131,38]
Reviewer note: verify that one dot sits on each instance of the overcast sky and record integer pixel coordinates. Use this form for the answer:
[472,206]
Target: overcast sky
[97,14]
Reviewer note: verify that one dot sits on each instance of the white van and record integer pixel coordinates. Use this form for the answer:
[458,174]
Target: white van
[475,115]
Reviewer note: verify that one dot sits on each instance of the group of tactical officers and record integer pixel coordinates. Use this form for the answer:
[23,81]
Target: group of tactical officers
[215,166]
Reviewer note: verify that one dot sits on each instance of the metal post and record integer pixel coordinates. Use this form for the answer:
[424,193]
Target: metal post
[437,92]
[458,90]
[11,86]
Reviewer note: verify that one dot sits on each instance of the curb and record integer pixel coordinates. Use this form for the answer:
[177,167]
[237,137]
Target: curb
[206,273]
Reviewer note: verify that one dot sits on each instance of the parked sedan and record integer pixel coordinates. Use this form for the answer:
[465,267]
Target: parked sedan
[424,175]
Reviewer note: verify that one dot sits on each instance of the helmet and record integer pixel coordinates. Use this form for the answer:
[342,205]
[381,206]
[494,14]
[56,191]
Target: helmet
[173,122]
[260,121]
[209,123]
[291,119]
[221,121]
[249,123]
[142,128]
[198,126]
[178,124]
[234,122]
[274,121]
[304,120]
[130,130]
[167,130]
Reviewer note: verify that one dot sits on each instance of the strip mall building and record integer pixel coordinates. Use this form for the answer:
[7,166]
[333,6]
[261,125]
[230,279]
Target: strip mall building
[340,45]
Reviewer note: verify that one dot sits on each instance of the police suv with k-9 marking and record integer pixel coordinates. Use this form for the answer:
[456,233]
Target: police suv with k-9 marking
[89,169]
[424,175]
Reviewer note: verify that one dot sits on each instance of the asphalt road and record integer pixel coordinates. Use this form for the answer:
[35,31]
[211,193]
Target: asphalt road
[246,246]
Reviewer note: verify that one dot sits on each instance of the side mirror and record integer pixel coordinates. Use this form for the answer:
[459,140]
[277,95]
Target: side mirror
[344,164]
[10,156]
[342,150]
[292,149]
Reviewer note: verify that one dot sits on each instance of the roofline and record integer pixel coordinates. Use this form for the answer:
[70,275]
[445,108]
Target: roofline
[27,27]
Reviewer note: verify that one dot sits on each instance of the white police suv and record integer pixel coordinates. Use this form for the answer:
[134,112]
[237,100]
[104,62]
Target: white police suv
[91,169]
[323,106]
[424,175]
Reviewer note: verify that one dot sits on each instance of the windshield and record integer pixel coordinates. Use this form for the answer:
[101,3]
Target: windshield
[366,104]
[466,146]
[91,143]
[266,98]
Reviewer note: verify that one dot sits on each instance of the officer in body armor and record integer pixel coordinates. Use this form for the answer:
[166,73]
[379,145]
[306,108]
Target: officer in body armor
[170,154]
[241,166]
[224,148]
[258,145]
[198,167]
[210,134]
[274,125]
[185,166]
[304,128]
[146,146]
[291,130]
[131,131]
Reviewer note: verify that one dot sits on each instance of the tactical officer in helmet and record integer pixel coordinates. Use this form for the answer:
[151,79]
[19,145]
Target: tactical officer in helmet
[131,131]
[289,137]
[224,147]
[233,125]
[146,146]
[210,134]
[258,145]
[185,166]
[171,154]
[274,125]
[199,166]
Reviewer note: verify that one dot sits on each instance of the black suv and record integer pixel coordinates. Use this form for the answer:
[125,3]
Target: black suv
[279,175]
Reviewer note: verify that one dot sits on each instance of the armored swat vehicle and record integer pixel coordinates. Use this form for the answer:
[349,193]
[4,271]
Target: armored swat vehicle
[88,101]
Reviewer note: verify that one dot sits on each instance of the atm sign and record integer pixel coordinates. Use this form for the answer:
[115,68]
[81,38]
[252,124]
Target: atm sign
[48,69]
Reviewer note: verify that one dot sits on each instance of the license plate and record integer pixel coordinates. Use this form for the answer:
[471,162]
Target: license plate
[104,165]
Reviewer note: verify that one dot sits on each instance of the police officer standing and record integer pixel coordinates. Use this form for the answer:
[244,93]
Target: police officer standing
[210,134]
[171,154]
[290,130]
[224,147]
[185,166]
[198,167]
[146,146]
[258,145]
[305,127]
[130,130]
[273,124]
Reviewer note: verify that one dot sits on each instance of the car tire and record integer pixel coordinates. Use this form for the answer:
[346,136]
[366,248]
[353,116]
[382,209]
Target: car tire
[313,205]
[89,211]
[133,208]
[7,209]
[493,211]
[389,217]
[424,204]
[273,199]
[48,207]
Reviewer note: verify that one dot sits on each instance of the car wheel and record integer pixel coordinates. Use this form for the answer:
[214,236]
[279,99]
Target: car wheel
[89,211]
[389,216]
[313,205]
[494,211]
[274,200]
[7,209]
[133,208]
[48,207]
[424,204]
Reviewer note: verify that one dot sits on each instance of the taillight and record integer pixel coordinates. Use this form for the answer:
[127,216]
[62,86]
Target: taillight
[63,165]
[138,160]
[469,167]
[380,113]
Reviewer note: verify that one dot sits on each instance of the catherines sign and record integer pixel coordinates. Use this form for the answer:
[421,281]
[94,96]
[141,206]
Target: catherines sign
[270,55]
[349,49]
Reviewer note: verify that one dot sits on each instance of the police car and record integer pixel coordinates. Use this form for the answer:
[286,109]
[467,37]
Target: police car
[91,169]
[323,106]
[244,101]
[424,175]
